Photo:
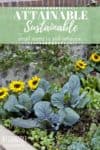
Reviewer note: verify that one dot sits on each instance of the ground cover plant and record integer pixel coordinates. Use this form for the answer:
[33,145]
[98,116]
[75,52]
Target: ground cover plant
[59,114]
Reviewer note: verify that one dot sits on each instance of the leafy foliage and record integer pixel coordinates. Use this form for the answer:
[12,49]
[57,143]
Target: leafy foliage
[57,100]
[43,110]
[52,107]
[13,56]
[68,116]
[11,103]
[44,85]
[22,105]
[73,88]
[77,146]
[37,95]
[25,123]
[42,140]
[95,142]
[92,82]
[94,97]
[30,111]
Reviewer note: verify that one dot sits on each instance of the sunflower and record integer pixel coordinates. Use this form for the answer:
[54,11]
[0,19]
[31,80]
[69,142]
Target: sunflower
[80,64]
[33,83]
[3,93]
[95,57]
[17,86]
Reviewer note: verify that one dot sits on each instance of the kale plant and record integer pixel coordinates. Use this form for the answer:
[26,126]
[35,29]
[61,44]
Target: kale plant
[32,111]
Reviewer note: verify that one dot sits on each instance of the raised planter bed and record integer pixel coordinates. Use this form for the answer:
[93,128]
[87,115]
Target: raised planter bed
[9,141]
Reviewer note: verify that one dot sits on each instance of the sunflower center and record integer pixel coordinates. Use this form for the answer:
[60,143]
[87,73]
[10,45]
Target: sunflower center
[17,85]
[81,64]
[34,82]
[1,93]
[96,57]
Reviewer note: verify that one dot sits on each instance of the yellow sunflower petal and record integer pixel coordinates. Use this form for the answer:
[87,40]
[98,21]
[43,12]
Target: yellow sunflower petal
[3,93]
[80,64]
[17,86]
[95,57]
[33,83]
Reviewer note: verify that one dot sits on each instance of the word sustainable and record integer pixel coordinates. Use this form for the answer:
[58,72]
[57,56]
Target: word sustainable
[50,25]
[66,17]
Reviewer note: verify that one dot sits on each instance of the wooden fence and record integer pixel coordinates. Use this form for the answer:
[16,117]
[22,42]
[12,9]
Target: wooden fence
[39,3]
